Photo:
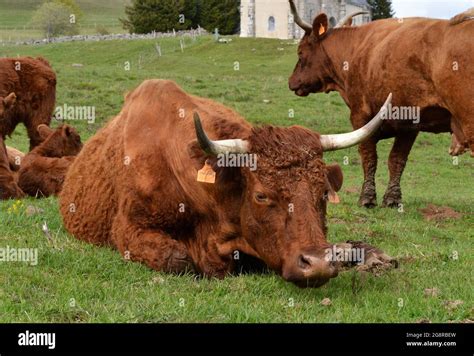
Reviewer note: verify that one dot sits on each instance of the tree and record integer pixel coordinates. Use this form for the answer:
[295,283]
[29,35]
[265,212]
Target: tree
[221,14]
[54,19]
[144,16]
[192,11]
[73,6]
[381,9]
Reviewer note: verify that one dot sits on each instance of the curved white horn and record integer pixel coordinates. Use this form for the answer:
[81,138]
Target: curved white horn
[217,147]
[340,141]
[300,22]
[349,17]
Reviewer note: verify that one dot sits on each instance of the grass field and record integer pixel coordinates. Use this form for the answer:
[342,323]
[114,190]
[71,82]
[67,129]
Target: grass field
[77,282]
[16,15]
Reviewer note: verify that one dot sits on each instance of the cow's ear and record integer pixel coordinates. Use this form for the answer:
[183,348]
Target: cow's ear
[9,101]
[335,176]
[44,131]
[66,131]
[320,25]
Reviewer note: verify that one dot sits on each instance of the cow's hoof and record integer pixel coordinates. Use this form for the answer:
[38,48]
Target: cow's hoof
[389,202]
[368,202]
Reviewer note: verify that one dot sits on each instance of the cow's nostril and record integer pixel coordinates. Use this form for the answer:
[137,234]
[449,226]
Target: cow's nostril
[304,262]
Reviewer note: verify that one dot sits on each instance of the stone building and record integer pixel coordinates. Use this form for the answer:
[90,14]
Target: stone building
[273,19]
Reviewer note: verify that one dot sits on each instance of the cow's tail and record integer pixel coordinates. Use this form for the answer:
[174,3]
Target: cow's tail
[466,15]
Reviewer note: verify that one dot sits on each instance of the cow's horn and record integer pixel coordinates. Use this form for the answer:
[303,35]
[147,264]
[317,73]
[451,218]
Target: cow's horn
[343,22]
[340,141]
[217,147]
[301,23]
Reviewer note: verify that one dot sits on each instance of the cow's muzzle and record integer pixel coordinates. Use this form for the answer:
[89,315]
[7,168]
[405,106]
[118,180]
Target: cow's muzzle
[304,90]
[309,270]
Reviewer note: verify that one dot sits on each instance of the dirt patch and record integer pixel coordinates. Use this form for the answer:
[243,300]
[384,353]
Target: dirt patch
[450,305]
[439,213]
[431,292]
[423,321]
[326,302]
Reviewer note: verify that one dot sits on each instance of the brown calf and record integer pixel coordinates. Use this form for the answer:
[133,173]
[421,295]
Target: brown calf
[43,169]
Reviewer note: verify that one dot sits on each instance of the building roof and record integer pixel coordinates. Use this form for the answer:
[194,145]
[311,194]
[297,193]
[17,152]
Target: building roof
[361,3]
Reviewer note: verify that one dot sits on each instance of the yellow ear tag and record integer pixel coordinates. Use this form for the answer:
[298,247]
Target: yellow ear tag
[334,198]
[206,174]
[322,30]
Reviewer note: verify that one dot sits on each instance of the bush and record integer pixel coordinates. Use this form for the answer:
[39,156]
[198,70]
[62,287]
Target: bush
[54,20]
[73,7]
[102,30]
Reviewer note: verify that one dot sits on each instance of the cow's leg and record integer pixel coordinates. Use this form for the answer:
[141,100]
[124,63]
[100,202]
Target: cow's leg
[466,134]
[396,164]
[368,154]
[154,248]
[35,138]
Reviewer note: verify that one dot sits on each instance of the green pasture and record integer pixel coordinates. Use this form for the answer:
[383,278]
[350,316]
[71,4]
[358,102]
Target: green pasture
[77,282]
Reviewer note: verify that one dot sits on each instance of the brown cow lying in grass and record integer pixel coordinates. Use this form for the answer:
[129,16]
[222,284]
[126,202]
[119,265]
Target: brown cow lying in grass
[43,170]
[139,185]
[8,187]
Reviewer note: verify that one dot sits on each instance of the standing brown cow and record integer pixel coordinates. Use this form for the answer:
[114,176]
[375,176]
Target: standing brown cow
[425,63]
[135,186]
[34,83]
[8,186]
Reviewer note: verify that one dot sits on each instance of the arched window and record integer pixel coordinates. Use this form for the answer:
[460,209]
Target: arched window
[271,24]
[332,22]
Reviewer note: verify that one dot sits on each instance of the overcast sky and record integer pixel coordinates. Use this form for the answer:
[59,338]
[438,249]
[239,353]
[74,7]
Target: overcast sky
[442,9]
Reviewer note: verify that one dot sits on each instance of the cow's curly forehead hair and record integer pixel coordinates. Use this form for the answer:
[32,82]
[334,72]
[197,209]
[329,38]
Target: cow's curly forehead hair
[286,155]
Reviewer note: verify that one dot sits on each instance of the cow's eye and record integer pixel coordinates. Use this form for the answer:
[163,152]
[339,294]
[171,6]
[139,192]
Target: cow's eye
[326,195]
[261,197]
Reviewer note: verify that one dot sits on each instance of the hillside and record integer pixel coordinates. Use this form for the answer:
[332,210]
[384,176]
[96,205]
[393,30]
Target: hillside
[15,17]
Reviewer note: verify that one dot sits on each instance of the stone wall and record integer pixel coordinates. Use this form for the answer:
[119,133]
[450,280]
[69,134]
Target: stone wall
[121,36]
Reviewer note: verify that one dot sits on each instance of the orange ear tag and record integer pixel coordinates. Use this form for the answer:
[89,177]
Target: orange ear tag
[334,198]
[206,174]
[321,29]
